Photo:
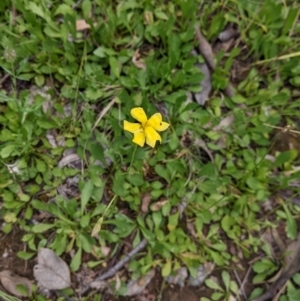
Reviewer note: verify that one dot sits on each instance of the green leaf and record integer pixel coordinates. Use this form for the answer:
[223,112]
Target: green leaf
[162,172]
[291,225]
[86,194]
[97,152]
[41,165]
[100,52]
[22,289]
[173,221]
[296,279]
[254,184]
[39,80]
[36,9]
[226,279]
[25,255]
[256,293]
[285,157]
[295,81]
[24,197]
[166,270]
[76,260]
[7,150]
[262,266]
[290,19]
[217,296]
[63,9]
[41,228]
[86,7]
[136,179]
[115,66]
[85,220]
[46,124]
[214,285]
[238,99]
[87,242]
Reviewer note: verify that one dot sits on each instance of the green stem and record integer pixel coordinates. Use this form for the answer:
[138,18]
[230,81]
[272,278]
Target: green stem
[133,155]
[98,225]
[14,80]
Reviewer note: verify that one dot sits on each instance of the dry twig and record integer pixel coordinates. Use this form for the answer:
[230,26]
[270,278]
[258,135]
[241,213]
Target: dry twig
[111,272]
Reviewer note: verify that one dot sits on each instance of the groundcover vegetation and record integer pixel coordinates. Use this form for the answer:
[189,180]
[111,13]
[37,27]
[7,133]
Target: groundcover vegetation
[200,182]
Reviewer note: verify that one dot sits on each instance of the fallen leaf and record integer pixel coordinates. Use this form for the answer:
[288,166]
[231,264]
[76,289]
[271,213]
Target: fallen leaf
[101,286]
[179,277]
[292,258]
[225,123]
[118,282]
[105,250]
[227,34]
[82,25]
[10,281]
[135,287]
[231,298]
[205,84]
[51,271]
[139,63]
[202,272]
[146,199]
[156,206]
[67,160]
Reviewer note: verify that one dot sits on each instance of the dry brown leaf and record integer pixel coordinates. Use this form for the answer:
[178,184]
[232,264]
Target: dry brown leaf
[156,206]
[82,25]
[225,123]
[146,199]
[101,286]
[118,282]
[67,160]
[292,259]
[179,277]
[105,250]
[202,272]
[10,281]
[228,34]
[51,271]
[139,63]
[135,287]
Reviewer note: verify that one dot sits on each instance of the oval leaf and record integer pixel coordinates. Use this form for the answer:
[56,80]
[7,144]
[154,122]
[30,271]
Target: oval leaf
[51,271]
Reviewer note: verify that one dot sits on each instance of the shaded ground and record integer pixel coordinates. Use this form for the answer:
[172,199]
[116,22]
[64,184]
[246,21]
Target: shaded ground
[158,289]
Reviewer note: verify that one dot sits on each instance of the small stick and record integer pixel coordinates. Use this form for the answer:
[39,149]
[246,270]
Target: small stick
[103,112]
[111,272]
[242,284]
[4,78]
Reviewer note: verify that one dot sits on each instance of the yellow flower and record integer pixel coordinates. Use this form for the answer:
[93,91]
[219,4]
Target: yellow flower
[146,130]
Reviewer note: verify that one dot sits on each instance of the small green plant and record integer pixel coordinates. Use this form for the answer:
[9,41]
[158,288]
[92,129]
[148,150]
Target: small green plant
[292,290]
[224,291]
[217,167]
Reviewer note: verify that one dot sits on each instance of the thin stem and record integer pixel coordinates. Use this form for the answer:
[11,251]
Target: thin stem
[14,80]
[132,158]
[100,221]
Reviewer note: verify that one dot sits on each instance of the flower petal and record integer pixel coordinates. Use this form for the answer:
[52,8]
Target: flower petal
[156,122]
[139,138]
[131,127]
[151,136]
[139,114]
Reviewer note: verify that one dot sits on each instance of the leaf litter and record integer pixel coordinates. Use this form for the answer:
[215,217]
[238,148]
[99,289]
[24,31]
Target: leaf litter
[11,283]
[51,272]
